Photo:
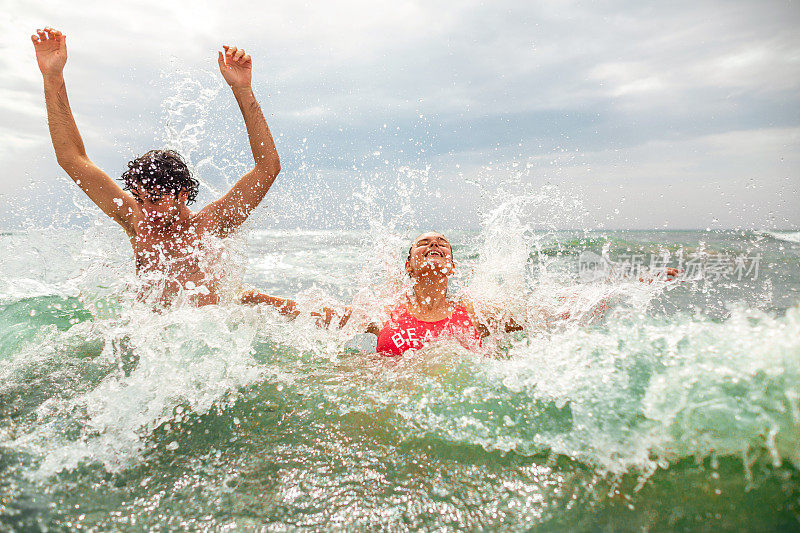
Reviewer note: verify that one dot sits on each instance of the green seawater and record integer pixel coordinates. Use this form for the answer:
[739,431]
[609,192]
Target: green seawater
[678,411]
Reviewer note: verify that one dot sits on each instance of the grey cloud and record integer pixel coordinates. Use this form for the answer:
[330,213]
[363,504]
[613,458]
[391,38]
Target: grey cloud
[622,88]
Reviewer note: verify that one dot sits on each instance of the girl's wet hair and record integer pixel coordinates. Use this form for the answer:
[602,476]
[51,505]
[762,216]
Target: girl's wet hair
[163,171]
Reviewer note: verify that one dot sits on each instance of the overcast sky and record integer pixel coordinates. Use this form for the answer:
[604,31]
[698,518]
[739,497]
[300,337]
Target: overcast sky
[631,114]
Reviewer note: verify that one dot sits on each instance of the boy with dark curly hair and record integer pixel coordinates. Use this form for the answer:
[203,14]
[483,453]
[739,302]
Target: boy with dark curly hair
[160,170]
[168,239]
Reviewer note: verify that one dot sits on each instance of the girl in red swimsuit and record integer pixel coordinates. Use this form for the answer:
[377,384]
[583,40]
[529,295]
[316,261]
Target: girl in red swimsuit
[426,314]
[422,316]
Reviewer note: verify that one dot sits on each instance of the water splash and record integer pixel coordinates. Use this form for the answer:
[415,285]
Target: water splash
[187,111]
[159,365]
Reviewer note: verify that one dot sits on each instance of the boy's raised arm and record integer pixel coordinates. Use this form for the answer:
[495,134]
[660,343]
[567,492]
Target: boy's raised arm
[51,55]
[226,214]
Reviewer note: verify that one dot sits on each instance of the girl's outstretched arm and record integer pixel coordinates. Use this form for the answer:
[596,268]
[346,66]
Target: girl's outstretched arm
[508,323]
[288,307]
[284,306]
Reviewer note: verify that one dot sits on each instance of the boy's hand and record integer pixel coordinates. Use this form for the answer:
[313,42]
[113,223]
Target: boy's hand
[235,66]
[51,50]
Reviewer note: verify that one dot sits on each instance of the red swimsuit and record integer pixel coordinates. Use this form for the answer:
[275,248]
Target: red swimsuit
[404,332]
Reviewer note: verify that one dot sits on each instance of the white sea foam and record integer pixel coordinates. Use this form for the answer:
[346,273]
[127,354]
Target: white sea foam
[788,236]
[185,359]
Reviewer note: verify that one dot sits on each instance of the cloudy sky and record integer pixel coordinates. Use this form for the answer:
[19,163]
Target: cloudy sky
[627,114]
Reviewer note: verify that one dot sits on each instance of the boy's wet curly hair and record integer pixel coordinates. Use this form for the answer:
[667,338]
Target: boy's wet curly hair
[162,170]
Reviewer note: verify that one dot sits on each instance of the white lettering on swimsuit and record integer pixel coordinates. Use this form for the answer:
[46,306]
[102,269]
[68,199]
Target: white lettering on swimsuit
[398,340]
[411,337]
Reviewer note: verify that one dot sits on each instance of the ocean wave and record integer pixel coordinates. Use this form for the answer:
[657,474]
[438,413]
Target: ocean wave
[625,396]
[788,236]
